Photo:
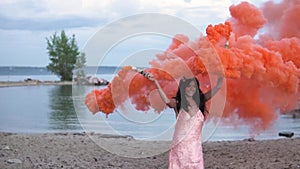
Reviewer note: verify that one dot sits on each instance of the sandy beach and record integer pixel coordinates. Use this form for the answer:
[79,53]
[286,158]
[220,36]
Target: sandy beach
[78,150]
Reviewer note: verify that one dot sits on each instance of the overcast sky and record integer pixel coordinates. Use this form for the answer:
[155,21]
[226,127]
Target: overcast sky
[25,24]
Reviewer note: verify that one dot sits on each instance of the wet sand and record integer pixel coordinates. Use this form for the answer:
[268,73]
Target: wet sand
[78,150]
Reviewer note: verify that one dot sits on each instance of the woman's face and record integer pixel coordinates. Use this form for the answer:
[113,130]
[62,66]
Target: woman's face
[190,90]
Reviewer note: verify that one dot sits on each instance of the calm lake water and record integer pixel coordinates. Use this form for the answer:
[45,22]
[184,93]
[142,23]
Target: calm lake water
[40,109]
[44,109]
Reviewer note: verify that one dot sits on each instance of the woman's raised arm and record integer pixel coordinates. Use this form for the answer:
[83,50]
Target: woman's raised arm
[169,102]
[160,91]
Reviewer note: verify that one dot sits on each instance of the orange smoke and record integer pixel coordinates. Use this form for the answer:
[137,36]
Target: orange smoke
[246,19]
[262,74]
[283,19]
[100,100]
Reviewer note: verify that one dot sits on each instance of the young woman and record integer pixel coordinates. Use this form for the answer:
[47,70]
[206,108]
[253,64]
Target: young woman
[189,106]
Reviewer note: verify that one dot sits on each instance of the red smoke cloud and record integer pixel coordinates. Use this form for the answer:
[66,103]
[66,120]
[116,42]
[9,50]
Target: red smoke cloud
[246,19]
[262,74]
[283,19]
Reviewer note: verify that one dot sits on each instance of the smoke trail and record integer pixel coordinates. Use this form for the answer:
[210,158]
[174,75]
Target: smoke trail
[262,74]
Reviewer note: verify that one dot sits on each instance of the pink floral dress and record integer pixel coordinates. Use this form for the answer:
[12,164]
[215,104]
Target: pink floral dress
[186,148]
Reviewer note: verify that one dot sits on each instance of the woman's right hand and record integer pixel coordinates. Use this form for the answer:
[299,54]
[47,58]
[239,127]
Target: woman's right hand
[150,77]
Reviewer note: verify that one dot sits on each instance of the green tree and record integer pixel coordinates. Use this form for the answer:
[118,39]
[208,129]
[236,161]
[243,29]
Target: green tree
[63,53]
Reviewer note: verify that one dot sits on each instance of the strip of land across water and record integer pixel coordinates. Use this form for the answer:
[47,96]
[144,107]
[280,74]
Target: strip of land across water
[33,82]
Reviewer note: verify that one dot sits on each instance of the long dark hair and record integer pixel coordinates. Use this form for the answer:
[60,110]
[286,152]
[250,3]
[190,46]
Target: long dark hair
[199,97]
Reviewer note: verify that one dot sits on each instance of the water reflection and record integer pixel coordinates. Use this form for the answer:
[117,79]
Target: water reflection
[62,113]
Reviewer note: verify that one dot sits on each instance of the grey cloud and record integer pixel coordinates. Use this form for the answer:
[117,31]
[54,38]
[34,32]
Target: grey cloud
[49,24]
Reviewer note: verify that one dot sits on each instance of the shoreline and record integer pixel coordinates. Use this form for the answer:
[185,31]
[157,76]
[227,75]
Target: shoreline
[39,82]
[33,83]
[78,150]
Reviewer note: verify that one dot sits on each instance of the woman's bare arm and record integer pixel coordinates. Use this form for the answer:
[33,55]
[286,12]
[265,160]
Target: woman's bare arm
[161,92]
[169,102]
[208,95]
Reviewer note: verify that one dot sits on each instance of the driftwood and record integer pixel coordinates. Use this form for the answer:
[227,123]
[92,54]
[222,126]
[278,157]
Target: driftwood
[286,134]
